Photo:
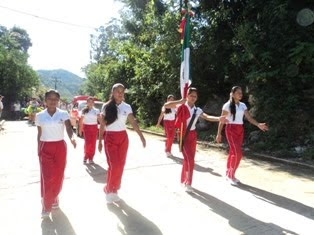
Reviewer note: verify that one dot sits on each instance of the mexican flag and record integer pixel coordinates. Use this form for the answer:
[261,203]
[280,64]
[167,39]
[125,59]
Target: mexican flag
[185,74]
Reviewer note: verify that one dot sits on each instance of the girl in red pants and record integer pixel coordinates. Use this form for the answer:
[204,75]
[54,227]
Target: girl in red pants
[235,110]
[89,125]
[169,116]
[189,147]
[52,150]
[113,130]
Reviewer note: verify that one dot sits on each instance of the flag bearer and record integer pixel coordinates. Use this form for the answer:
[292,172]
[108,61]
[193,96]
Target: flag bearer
[189,140]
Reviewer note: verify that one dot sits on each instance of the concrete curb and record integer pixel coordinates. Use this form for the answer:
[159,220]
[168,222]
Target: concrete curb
[254,154]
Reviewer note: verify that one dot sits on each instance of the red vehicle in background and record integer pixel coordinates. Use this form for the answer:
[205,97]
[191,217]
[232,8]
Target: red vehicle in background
[78,103]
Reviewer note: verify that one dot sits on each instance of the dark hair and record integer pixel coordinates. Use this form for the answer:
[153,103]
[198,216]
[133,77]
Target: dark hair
[50,92]
[233,109]
[111,111]
[86,109]
[192,89]
[168,97]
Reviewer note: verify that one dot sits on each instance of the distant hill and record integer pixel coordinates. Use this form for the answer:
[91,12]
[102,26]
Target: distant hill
[68,84]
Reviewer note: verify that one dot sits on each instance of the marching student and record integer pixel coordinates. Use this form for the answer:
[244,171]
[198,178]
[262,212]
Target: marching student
[52,150]
[235,110]
[89,126]
[190,137]
[113,131]
[168,116]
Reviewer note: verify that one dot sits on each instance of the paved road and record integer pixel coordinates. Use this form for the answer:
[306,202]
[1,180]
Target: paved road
[273,199]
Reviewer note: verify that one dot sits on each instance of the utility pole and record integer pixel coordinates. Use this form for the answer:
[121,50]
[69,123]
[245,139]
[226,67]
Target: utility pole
[56,80]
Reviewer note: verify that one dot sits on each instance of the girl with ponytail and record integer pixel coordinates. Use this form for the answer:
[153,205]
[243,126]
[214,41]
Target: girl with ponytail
[113,131]
[235,111]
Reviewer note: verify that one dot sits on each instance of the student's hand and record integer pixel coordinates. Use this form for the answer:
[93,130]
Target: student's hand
[223,119]
[99,146]
[143,141]
[158,125]
[73,142]
[263,126]
[218,138]
[80,132]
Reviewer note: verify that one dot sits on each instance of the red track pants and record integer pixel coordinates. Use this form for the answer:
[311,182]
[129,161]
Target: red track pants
[169,131]
[116,148]
[52,159]
[234,134]
[90,137]
[189,149]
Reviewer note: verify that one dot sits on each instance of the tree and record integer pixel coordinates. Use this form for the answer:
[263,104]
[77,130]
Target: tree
[17,78]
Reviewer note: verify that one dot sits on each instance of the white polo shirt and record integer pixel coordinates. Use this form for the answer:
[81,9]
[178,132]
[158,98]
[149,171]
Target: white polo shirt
[199,111]
[90,118]
[124,110]
[52,127]
[169,116]
[240,108]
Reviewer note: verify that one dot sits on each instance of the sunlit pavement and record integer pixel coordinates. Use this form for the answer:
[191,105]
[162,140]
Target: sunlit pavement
[273,199]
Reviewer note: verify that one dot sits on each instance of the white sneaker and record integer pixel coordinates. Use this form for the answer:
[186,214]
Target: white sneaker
[109,198]
[237,181]
[232,182]
[91,162]
[169,154]
[115,197]
[45,215]
[188,188]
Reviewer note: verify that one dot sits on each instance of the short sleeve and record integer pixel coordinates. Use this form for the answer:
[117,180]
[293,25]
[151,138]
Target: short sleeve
[244,107]
[226,107]
[97,111]
[199,111]
[37,120]
[129,110]
[65,116]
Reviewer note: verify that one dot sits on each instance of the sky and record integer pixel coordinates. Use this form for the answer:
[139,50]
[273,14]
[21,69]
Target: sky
[57,45]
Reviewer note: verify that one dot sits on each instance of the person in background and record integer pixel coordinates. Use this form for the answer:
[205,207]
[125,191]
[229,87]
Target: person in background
[113,131]
[89,126]
[235,111]
[168,116]
[52,150]
[17,110]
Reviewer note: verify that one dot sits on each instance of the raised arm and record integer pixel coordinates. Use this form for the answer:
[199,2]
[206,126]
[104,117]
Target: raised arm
[261,126]
[173,104]
[135,126]
[210,118]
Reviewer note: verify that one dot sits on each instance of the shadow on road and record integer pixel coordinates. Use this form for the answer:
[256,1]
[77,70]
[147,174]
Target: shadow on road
[97,172]
[196,166]
[133,222]
[238,219]
[280,201]
[58,225]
